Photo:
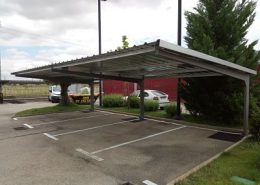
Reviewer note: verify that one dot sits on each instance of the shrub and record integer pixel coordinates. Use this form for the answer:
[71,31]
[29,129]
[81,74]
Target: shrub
[151,105]
[255,124]
[113,100]
[171,109]
[134,101]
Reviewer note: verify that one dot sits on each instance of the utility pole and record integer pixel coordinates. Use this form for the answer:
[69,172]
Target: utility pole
[179,36]
[100,51]
[1,90]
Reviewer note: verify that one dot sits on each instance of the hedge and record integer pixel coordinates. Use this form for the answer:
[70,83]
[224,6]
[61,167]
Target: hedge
[113,100]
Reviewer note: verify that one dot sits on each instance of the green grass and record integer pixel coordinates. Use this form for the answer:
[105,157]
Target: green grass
[242,161]
[136,111]
[204,121]
[52,109]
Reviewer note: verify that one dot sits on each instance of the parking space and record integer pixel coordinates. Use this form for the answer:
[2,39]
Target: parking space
[140,152]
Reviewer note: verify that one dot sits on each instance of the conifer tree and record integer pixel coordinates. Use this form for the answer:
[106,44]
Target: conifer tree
[219,28]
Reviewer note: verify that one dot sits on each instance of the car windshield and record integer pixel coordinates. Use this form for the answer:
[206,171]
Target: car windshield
[135,93]
[158,93]
[56,88]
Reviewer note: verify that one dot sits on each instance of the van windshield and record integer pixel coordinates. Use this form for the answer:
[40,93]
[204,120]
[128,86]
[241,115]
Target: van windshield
[56,88]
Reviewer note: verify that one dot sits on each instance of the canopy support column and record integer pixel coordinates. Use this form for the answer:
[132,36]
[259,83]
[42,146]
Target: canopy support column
[1,93]
[141,84]
[246,105]
[92,98]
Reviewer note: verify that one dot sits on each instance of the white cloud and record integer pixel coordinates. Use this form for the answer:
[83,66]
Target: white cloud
[67,29]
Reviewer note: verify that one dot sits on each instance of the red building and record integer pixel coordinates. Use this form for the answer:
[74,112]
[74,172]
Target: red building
[167,85]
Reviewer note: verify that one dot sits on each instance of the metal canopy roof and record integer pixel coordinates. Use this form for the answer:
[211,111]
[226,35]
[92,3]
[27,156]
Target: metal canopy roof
[152,60]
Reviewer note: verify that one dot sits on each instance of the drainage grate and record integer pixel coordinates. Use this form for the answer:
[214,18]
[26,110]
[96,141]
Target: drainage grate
[226,137]
[20,128]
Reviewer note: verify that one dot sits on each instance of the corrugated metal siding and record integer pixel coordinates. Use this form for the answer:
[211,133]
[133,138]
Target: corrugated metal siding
[117,87]
[167,85]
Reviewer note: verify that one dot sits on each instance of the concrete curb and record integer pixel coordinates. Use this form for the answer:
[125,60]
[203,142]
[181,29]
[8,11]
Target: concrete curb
[25,98]
[203,164]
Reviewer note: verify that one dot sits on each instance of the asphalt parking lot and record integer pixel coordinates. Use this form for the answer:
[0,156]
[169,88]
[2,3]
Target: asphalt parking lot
[104,148]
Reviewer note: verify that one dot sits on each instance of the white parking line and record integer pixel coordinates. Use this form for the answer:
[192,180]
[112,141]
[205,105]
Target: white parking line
[136,140]
[91,128]
[147,182]
[122,114]
[28,126]
[71,119]
[51,136]
[160,121]
[89,155]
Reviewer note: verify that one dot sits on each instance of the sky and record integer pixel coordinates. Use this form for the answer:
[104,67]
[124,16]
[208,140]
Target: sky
[41,32]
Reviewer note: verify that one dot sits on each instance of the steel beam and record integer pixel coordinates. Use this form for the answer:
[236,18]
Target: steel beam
[246,105]
[100,76]
[141,84]
[163,72]
[195,75]
[92,98]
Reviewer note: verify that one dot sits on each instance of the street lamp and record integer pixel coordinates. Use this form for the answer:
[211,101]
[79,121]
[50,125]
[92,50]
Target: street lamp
[1,92]
[179,43]
[100,50]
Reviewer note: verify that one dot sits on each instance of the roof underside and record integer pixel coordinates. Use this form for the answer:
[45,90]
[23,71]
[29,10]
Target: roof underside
[154,60]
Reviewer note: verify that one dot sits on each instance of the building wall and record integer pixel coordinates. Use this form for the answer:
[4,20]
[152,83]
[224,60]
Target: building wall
[117,87]
[167,85]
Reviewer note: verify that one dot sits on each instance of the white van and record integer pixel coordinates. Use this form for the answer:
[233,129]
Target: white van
[54,93]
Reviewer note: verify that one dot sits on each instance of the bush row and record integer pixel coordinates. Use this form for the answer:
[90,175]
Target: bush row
[116,100]
[113,100]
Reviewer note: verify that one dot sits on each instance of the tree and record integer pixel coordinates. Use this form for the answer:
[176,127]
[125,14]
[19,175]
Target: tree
[64,93]
[125,43]
[219,28]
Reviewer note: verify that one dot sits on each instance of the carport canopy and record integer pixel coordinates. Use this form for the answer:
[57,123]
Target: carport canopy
[151,60]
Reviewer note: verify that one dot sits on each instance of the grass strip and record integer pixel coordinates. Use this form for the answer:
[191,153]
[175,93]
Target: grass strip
[52,109]
[242,161]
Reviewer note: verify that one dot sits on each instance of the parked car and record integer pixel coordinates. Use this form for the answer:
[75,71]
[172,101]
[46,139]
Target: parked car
[54,93]
[159,96]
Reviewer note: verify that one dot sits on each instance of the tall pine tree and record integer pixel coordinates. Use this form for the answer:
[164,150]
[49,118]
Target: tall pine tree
[219,28]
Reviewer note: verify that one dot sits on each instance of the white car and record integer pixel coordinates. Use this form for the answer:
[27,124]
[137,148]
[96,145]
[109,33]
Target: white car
[159,96]
[54,93]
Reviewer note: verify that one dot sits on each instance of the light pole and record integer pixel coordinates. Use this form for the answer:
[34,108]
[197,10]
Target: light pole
[1,92]
[179,43]
[100,51]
